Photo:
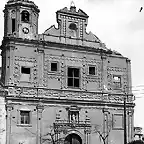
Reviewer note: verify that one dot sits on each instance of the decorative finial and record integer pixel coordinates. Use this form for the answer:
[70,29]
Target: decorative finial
[72,7]
[72,4]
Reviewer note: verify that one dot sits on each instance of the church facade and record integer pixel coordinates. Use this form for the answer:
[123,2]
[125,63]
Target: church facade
[61,86]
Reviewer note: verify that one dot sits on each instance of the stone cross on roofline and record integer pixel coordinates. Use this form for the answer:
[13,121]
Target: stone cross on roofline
[72,4]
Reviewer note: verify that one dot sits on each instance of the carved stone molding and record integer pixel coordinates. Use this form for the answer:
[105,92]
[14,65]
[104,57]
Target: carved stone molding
[130,112]
[116,69]
[17,69]
[63,94]
[105,110]
[16,74]
[40,50]
[35,74]
[120,71]
[21,91]
[73,108]
[40,108]
[20,58]
[9,107]
[103,57]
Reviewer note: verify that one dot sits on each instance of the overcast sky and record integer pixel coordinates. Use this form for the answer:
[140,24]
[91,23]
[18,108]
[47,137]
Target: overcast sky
[118,23]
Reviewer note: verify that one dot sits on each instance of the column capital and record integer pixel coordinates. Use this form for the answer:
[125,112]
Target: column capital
[40,50]
[104,57]
[9,107]
[105,110]
[130,112]
[40,108]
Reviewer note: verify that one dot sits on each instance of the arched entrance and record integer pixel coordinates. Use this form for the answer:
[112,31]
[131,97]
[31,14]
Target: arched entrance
[73,139]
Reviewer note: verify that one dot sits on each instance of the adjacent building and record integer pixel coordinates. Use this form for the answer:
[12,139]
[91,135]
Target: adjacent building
[138,134]
[64,85]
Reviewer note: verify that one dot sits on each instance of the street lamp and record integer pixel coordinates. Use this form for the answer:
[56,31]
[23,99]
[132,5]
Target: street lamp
[125,127]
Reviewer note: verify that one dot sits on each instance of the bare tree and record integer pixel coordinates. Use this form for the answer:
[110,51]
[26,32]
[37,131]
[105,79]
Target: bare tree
[50,136]
[103,130]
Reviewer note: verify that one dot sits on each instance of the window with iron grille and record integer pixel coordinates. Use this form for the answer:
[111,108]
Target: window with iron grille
[24,117]
[73,77]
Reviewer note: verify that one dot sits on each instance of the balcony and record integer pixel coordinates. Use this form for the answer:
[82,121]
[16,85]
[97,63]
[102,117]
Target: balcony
[72,124]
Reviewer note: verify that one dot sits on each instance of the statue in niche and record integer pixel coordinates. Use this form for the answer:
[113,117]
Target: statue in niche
[73,117]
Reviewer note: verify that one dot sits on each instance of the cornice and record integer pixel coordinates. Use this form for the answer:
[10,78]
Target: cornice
[47,44]
[19,3]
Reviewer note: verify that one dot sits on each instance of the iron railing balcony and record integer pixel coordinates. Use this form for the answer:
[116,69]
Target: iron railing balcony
[72,124]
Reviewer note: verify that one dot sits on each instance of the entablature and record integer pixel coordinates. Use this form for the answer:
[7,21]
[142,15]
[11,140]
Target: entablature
[62,95]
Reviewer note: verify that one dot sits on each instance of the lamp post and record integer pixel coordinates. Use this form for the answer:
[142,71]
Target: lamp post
[125,127]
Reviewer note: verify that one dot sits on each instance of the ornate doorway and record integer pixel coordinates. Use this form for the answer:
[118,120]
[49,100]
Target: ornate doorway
[73,139]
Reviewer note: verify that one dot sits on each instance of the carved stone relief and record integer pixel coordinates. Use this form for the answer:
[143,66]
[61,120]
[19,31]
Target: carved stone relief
[84,81]
[45,79]
[98,77]
[16,74]
[115,70]
[62,72]
[17,69]
[81,29]
[62,94]
[24,92]
[35,74]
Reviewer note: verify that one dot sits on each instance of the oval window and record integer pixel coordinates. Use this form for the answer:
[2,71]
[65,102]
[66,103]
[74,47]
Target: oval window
[73,26]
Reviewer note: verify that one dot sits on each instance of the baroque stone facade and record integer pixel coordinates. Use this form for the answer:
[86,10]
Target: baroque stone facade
[61,86]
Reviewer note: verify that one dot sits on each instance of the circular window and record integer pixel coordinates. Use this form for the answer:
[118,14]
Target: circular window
[73,26]
[25,30]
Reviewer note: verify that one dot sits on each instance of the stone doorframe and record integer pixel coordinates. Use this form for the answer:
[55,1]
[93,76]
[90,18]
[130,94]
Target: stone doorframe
[77,133]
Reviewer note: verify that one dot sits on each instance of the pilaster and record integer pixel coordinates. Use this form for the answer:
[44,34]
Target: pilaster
[87,131]
[9,108]
[130,125]
[106,123]
[103,71]
[40,66]
[40,109]
[129,83]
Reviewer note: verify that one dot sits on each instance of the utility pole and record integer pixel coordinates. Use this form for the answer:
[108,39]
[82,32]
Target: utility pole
[125,127]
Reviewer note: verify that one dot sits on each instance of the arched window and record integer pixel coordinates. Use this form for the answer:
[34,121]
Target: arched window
[25,16]
[73,26]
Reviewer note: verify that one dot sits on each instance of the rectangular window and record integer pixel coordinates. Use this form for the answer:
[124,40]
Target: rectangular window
[25,70]
[92,70]
[13,25]
[25,73]
[24,117]
[117,81]
[54,66]
[73,77]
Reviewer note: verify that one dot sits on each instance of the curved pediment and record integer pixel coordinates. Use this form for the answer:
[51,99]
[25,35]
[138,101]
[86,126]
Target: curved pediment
[91,37]
[73,11]
[72,30]
[52,31]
